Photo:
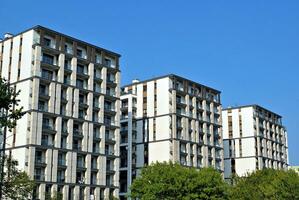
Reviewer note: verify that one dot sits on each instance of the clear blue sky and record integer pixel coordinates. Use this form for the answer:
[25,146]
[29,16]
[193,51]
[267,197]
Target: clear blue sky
[247,49]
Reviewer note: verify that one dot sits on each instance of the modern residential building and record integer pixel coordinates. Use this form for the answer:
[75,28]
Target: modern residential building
[68,140]
[169,118]
[253,138]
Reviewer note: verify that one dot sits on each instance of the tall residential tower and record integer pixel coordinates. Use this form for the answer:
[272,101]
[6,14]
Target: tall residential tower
[169,118]
[68,140]
[253,138]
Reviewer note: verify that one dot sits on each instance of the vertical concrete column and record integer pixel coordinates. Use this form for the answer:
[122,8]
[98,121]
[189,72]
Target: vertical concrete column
[77,193]
[49,165]
[58,99]
[54,166]
[52,92]
[90,106]
[74,167]
[117,80]
[69,105]
[60,77]
[42,191]
[65,192]
[74,71]
[33,128]
[101,112]
[91,76]
[106,194]
[70,134]
[88,170]
[90,138]
[87,193]
[58,125]
[101,176]
[104,77]
[39,122]
[85,136]
[68,171]
[36,71]
[54,190]
[35,93]
[76,103]
[97,193]
[102,136]
[31,161]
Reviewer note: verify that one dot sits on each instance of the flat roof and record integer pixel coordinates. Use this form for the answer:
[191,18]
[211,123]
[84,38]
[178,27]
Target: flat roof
[251,105]
[171,76]
[64,35]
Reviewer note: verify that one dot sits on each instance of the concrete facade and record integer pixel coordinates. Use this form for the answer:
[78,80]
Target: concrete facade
[169,118]
[68,140]
[253,138]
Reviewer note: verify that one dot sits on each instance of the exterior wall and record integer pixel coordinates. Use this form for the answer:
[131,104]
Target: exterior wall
[173,123]
[254,138]
[68,140]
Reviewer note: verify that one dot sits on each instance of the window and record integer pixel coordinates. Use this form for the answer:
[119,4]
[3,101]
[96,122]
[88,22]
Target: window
[79,53]
[49,59]
[47,42]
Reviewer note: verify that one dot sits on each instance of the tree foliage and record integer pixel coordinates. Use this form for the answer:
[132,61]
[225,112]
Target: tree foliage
[9,103]
[17,184]
[172,181]
[267,184]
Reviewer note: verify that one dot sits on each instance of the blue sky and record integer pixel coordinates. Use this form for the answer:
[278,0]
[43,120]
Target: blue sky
[247,49]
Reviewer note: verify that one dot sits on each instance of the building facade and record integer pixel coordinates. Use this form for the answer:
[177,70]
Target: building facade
[169,118]
[68,140]
[253,138]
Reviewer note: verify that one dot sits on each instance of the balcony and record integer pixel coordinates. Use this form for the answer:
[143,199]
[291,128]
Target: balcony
[45,142]
[77,147]
[97,77]
[48,128]
[62,162]
[82,72]
[47,75]
[49,63]
[40,161]
[109,108]
[109,122]
[94,166]
[39,177]
[95,150]
[109,138]
[68,50]
[109,152]
[81,165]
[44,94]
[96,137]
[78,133]
[43,107]
[110,169]
[60,179]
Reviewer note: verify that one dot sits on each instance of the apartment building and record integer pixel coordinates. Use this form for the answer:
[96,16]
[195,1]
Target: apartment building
[253,138]
[68,140]
[169,118]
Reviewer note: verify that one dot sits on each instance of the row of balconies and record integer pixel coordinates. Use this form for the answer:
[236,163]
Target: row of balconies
[81,53]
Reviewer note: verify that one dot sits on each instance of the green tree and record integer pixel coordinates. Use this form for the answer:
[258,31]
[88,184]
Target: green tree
[17,184]
[8,105]
[169,181]
[267,184]
[12,181]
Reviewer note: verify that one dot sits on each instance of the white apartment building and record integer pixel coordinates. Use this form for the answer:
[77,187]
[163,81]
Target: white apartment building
[68,140]
[169,118]
[253,138]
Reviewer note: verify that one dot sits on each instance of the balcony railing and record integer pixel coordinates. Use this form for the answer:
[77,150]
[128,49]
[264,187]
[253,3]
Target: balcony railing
[40,160]
[39,177]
